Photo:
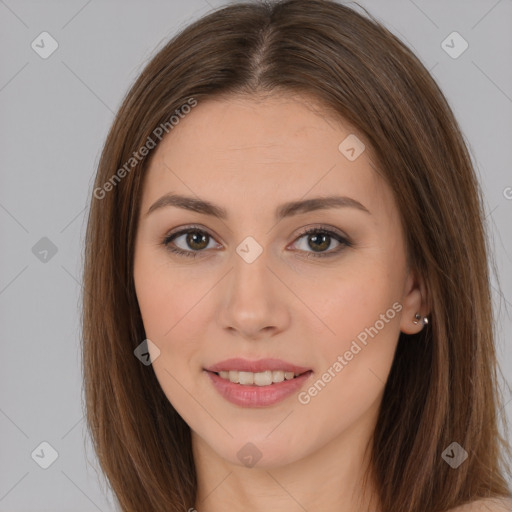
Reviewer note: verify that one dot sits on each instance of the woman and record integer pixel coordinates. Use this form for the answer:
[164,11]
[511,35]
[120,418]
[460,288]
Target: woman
[286,300]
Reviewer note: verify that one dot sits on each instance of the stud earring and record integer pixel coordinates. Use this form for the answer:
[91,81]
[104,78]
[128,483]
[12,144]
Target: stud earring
[418,317]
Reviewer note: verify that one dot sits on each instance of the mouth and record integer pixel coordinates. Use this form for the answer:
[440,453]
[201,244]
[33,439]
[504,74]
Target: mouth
[262,372]
[264,378]
[248,389]
[257,383]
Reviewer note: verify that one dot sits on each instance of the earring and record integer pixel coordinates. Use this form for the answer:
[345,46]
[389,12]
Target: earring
[418,317]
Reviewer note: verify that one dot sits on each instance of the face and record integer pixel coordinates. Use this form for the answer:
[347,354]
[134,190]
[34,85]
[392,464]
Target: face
[254,284]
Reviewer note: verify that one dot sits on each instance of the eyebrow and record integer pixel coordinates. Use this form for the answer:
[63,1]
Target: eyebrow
[284,210]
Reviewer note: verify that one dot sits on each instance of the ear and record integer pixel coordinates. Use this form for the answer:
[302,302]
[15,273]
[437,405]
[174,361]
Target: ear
[414,301]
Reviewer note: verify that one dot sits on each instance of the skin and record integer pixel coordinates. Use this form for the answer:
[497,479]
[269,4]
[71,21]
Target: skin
[486,505]
[250,155]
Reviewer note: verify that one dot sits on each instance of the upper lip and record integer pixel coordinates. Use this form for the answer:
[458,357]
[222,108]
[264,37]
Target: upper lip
[261,365]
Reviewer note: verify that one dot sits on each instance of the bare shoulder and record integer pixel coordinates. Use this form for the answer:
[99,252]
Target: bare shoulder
[486,505]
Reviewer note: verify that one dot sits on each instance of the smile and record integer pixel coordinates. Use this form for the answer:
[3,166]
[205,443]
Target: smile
[264,394]
[265,378]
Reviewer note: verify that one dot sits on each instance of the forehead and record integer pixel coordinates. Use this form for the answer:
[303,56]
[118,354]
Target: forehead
[267,125]
[261,147]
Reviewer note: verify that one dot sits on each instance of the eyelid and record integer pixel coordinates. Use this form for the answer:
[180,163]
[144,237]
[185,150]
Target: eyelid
[342,239]
[183,230]
[324,228]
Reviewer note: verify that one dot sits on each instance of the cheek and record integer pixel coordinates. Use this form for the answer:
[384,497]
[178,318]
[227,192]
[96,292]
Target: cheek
[170,306]
[176,312]
[354,363]
[352,300]
[361,312]
[165,298]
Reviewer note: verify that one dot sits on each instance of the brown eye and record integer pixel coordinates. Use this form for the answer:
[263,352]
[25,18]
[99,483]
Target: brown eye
[319,240]
[194,241]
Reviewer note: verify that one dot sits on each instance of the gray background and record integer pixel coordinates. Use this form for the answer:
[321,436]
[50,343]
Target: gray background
[55,114]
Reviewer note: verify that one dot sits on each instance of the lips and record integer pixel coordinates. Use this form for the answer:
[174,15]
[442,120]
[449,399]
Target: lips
[245,365]
[258,396]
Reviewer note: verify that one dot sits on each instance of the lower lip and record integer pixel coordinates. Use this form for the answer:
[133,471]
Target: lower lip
[257,396]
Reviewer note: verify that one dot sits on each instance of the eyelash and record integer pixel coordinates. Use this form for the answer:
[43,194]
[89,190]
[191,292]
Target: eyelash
[344,242]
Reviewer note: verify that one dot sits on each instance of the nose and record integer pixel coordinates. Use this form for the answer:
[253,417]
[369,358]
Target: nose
[254,303]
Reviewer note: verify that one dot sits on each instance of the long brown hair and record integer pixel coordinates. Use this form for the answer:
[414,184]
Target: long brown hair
[443,385]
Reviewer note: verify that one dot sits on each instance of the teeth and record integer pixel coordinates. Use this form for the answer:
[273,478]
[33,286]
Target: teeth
[265,378]
[246,378]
